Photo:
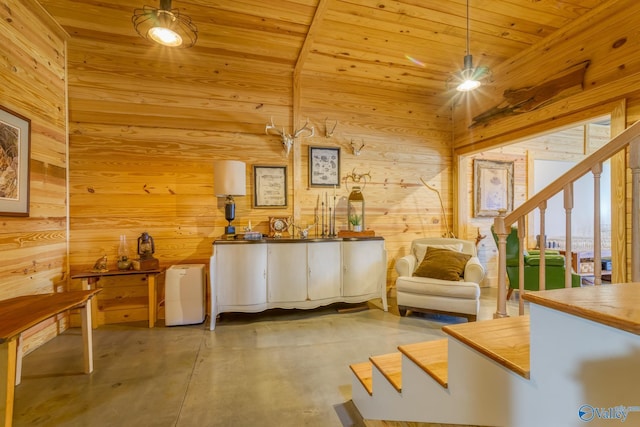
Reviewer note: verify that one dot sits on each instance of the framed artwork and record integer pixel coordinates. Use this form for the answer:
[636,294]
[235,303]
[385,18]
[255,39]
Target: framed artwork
[269,186]
[492,187]
[324,167]
[15,152]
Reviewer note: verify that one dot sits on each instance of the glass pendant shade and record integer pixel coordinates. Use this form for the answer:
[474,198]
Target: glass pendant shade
[165,36]
[467,75]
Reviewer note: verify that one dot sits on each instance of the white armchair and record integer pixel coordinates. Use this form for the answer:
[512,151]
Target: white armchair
[432,295]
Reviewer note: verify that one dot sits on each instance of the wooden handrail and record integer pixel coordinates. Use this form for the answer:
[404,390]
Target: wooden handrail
[575,173]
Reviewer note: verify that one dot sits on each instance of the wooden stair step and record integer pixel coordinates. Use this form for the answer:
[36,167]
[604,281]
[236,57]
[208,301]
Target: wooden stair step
[504,340]
[390,365]
[432,357]
[364,372]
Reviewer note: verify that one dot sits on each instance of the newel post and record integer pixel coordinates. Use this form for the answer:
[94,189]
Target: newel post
[501,232]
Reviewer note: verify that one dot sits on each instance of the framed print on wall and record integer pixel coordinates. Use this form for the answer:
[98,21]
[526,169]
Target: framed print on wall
[15,152]
[324,167]
[269,186]
[492,187]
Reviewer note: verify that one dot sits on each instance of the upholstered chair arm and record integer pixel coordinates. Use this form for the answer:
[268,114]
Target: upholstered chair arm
[406,265]
[473,271]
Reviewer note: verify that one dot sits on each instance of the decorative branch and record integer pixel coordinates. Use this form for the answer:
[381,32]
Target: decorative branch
[525,99]
[449,233]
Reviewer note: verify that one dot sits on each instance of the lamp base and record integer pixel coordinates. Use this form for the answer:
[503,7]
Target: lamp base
[230,229]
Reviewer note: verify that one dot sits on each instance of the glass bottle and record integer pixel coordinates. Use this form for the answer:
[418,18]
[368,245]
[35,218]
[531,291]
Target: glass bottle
[355,210]
[123,261]
[123,249]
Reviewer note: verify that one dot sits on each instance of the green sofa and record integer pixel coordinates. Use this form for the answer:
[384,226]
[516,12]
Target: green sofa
[554,266]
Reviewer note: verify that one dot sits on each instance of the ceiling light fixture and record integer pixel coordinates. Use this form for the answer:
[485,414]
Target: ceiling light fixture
[165,26]
[469,78]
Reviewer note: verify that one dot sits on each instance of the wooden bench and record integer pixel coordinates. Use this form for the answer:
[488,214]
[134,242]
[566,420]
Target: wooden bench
[21,313]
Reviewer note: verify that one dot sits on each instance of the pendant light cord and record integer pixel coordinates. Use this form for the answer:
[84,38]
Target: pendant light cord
[467,28]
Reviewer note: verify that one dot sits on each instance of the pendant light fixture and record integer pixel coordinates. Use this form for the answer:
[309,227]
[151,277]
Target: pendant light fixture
[469,77]
[165,26]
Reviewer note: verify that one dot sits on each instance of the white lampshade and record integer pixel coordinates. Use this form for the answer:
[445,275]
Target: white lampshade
[229,178]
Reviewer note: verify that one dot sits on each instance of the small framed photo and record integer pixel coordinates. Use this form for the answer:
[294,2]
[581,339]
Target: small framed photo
[324,167]
[269,186]
[492,187]
[15,152]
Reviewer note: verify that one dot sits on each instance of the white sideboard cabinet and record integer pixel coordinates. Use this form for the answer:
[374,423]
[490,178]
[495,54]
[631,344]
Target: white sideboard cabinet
[256,275]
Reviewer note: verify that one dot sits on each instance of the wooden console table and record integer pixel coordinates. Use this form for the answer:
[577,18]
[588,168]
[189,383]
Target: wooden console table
[90,280]
[21,313]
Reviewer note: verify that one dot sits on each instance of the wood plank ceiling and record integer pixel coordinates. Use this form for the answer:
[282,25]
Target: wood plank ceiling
[409,43]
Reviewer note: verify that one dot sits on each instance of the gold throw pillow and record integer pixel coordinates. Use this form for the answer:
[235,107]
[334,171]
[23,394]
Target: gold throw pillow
[442,264]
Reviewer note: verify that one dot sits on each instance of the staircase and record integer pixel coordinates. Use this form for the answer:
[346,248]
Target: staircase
[574,359]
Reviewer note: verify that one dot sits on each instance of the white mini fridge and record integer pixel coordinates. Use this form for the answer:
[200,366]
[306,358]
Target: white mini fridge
[184,296]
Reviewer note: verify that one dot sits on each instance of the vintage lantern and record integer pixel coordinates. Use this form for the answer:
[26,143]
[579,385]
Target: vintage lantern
[146,247]
[355,210]
[355,202]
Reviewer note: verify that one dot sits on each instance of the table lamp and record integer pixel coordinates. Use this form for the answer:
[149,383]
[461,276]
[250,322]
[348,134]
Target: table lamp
[229,179]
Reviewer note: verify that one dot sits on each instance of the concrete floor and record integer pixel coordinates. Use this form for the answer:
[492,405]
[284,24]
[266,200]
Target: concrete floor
[280,368]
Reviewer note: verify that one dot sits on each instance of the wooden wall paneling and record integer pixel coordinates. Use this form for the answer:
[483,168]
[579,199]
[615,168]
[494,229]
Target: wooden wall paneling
[145,134]
[297,172]
[633,109]
[404,140]
[620,203]
[33,249]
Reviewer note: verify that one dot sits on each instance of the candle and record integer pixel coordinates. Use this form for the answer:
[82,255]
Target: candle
[322,219]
